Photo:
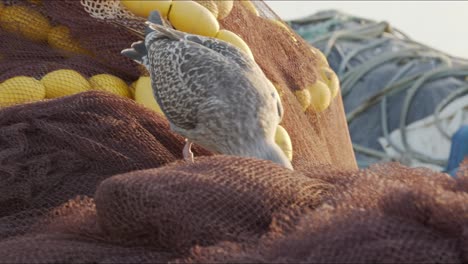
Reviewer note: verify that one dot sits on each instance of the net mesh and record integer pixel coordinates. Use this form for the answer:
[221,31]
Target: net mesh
[285,58]
[385,214]
[288,61]
[95,177]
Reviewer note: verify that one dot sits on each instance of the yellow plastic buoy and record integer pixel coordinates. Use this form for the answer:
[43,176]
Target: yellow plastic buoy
[36,2]
[59,38]
[132,88]
[279,23]
[224,8]
[210,5]
[64,82]
[235,40]
[143,8]
[30,23]
[320,96]
[251,7]
[19,90]
[144,94]
[283,140]
[331,80]
[322,59]
[191,17]
[303,96]
[284,27]
[110,83]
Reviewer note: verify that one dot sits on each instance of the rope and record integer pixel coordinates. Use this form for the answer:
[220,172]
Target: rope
[378,35]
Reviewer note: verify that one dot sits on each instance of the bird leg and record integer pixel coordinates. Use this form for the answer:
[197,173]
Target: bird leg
[188,154]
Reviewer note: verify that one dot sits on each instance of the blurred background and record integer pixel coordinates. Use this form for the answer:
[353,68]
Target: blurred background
[439,24]
[405,95]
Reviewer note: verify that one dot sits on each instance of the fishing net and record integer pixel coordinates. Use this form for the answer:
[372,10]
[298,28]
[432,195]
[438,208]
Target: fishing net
[390,82]
[96,177]
[286,60]
[410,216]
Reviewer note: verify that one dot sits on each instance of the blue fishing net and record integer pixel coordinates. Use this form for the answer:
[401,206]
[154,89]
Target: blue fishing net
[458,150]
[387,80]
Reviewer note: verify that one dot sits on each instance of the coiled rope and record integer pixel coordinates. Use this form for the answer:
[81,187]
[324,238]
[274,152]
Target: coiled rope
[378,34]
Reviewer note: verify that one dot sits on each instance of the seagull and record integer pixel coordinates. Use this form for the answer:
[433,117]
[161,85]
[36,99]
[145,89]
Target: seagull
[211,93]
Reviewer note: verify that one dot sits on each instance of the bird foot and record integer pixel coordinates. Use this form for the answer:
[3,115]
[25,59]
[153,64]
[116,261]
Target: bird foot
[188,154]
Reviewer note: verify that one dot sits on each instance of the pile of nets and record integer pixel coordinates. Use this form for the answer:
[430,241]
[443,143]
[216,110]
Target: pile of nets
[98,177]
[289,64]
[390,82]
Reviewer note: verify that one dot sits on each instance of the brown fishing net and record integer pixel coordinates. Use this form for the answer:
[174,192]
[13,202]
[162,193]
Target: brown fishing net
[98,178]
[285,58]
[288,62]
[83,180]
[386,214]
[22,55]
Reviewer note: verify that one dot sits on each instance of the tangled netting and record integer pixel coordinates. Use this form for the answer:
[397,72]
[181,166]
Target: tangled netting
[82,180]
[23,56]
[98,178]
[388,81]
[287,62]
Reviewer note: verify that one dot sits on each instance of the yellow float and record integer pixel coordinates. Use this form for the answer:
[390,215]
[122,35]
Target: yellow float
[249,6]
[304,98]
[284,27]
[64,82]
[26,21]
[132,88]
[144,94]
[235,40]
[20,90]
[36,2]
[110,83]
[320,96]
[322,59]
[284,141]
[143,8]
[191,17]
[224,8]
[59,38]
[330,78]
[210,5]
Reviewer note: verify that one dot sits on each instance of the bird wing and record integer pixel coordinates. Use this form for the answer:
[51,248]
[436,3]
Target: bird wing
[184,66]
[224,48]
[184,75]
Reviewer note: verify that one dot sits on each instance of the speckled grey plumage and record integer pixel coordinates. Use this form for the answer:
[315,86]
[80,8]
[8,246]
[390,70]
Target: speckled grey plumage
[212,93]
